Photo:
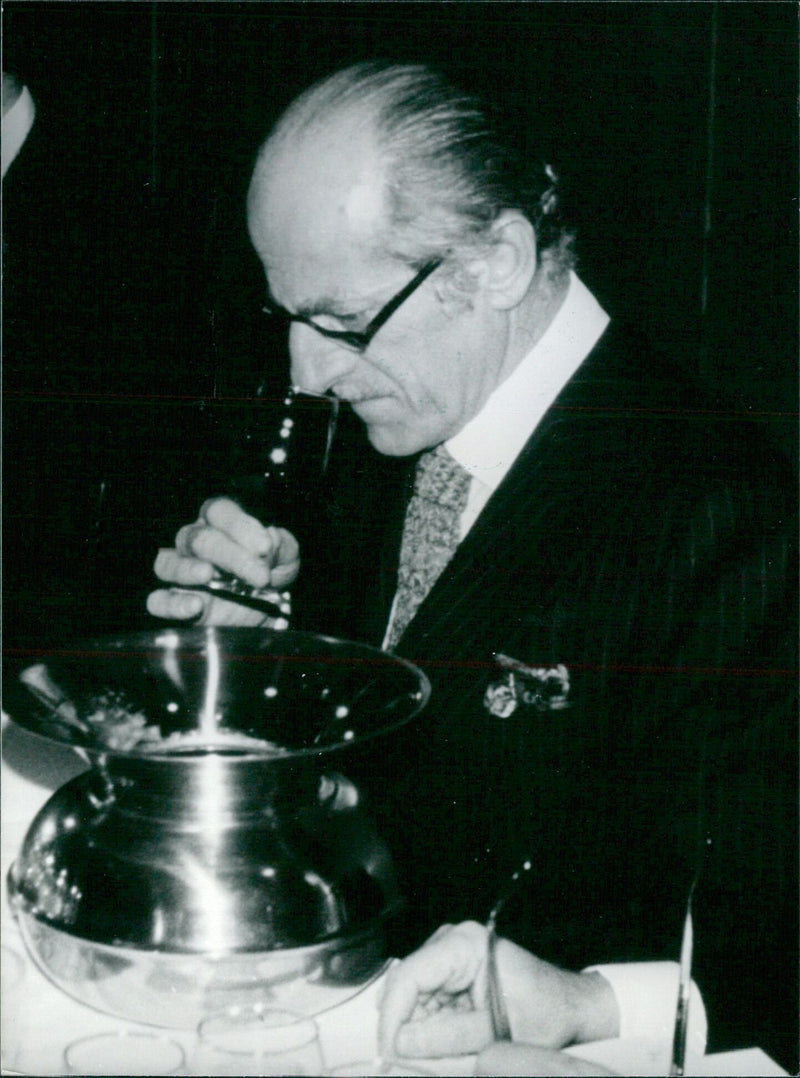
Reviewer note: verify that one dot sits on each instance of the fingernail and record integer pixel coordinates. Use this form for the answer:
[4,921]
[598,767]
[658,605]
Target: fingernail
[189,605]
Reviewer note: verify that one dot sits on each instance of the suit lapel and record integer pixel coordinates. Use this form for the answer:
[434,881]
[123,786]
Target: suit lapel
[511,536]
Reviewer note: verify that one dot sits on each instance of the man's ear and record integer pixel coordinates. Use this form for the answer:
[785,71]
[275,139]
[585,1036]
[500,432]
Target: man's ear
[510,263]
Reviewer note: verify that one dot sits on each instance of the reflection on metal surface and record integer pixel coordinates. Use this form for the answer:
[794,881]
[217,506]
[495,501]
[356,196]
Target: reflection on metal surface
[165,691]
[182,874]
[177,990]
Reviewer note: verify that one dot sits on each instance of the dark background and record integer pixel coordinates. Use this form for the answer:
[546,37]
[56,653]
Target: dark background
[132,345]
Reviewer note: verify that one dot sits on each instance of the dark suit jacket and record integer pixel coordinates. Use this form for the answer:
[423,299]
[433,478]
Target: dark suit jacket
[644,541]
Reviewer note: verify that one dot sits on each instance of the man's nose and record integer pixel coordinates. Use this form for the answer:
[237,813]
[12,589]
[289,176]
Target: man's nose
[317,362]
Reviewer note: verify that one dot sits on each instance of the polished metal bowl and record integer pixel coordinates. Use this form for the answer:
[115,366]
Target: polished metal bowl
[217,850]
[291,694]
[176,991]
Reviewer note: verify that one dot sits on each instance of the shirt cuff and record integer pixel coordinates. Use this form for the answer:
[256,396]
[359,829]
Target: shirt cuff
[647,996]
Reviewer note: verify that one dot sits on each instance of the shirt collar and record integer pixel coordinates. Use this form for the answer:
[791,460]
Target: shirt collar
[490,443]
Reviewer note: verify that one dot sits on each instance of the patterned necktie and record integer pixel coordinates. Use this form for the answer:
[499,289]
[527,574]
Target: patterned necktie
[430,535]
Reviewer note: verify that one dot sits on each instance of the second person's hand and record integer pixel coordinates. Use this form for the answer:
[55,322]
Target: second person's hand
[435,1001]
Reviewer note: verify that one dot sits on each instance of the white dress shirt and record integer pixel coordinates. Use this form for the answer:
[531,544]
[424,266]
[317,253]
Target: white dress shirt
[490,443]
[647,997]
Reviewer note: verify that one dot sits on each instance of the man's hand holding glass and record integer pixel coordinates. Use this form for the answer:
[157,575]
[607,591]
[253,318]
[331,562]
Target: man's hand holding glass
[223,540]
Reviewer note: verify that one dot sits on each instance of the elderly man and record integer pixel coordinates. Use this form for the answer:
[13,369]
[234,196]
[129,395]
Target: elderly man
[592,563]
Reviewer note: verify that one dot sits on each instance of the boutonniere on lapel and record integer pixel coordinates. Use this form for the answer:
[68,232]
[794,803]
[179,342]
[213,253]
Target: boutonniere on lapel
[516,684]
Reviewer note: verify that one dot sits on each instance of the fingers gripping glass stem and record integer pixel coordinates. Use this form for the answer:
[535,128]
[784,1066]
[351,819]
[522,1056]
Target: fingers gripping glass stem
[236,591]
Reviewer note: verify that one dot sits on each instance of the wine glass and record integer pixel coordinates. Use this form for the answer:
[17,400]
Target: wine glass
[391,1068]
[124,1052]
[257,1040]
[12,976]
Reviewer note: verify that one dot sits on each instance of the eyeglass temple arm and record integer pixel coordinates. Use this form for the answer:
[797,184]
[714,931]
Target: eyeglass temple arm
[362,339]
[386,312]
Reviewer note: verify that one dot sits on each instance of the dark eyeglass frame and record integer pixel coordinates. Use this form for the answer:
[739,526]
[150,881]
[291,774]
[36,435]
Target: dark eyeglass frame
[359,340]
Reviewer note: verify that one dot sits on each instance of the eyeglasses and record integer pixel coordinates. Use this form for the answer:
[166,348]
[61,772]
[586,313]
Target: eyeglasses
[358,340]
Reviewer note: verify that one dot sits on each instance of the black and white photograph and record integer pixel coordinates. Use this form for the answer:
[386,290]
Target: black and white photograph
[399,538]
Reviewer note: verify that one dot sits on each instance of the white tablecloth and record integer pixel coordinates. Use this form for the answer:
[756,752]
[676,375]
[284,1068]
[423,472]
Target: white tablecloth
[39,1020]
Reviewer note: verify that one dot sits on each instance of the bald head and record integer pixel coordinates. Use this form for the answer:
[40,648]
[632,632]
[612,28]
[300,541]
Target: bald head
[318,185]
[444,165]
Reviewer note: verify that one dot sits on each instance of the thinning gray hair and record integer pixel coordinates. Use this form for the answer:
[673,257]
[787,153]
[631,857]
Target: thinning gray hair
[451,166]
